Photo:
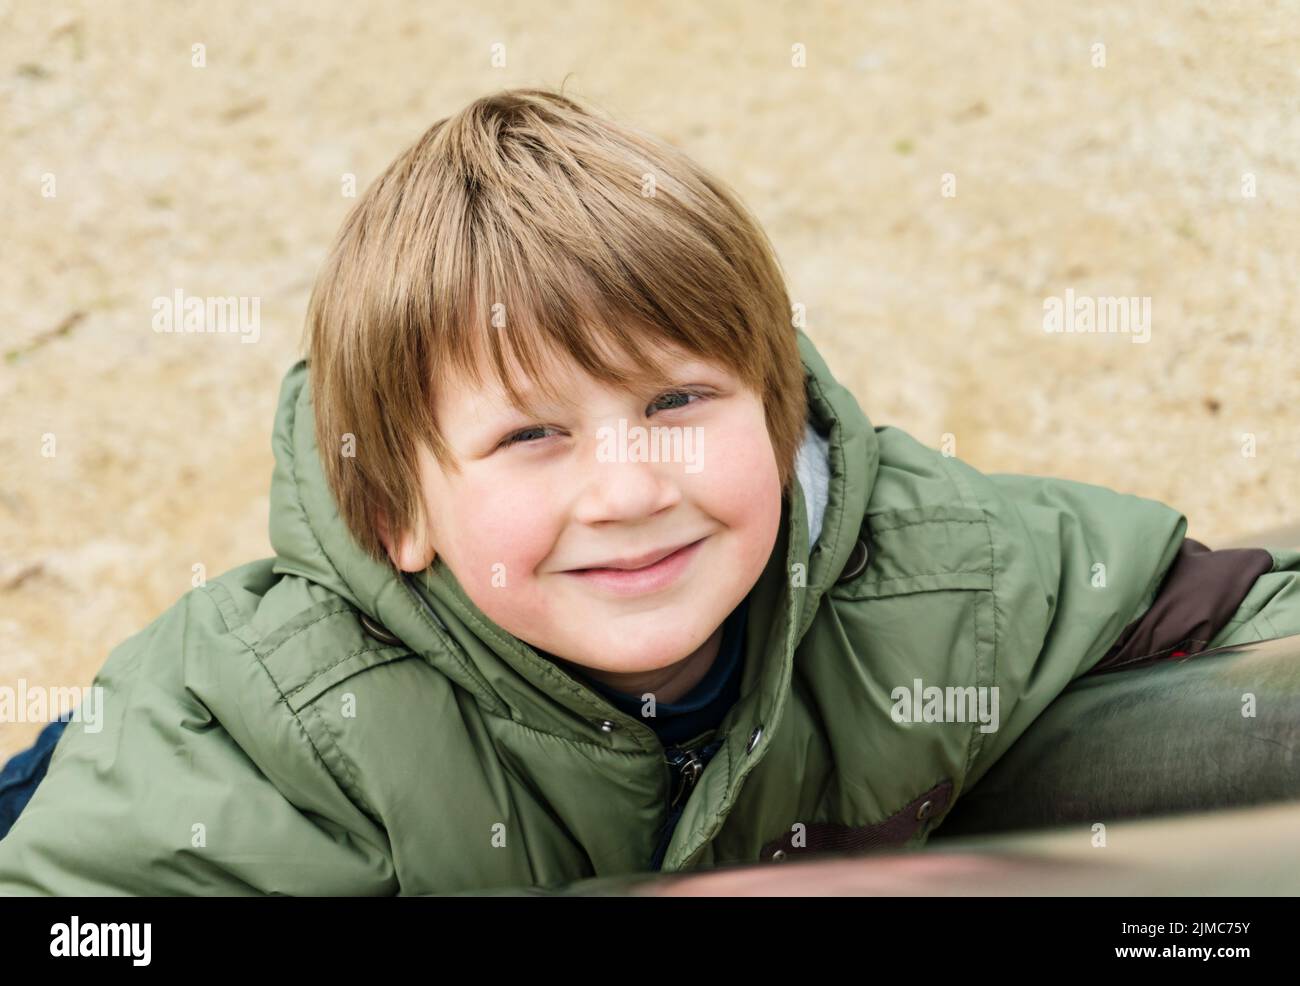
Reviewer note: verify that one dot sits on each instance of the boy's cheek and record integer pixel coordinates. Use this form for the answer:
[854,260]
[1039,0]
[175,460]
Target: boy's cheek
[504,548]
[736,448]
[500,584]
[742,482]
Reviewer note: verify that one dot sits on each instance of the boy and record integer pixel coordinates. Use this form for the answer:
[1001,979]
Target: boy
[586,566]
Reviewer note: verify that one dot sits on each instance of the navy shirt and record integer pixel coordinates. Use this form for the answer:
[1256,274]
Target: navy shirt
[704,706]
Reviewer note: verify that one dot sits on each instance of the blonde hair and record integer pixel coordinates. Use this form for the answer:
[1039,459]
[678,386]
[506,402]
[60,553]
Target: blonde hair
[590,237]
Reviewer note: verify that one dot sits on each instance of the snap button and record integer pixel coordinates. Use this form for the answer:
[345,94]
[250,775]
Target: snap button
[753,739]
[778,856]
[606,725]
[379,631]
[924,811]
[856,563]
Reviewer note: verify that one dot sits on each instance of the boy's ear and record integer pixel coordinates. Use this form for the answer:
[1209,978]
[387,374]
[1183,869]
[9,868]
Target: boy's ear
[411,551]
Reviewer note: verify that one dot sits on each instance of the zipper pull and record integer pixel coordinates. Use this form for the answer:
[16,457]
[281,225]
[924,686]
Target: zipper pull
[689,765]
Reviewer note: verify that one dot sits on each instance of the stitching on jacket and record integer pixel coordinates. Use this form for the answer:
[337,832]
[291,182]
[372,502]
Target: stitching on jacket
[352,786]
[343,660]
[884,528]
[334,612]
[976,746]
[236,627]
[922,575]
[969,500]
[297,479]
[993,672]
[1271,625]
[495,704]
[975,740]
[343,786]
[593,744]
[263,654]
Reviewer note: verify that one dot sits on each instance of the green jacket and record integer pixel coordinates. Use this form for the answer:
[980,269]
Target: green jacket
[259,737]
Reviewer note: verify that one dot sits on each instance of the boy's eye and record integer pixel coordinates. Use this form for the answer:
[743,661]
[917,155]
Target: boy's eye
[521,437]
[678,393]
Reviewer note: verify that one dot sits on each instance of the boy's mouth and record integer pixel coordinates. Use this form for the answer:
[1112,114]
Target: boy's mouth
[636,562]
[661,570]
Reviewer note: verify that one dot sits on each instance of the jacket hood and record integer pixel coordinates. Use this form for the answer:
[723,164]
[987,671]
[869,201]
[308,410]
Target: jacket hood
[835,467]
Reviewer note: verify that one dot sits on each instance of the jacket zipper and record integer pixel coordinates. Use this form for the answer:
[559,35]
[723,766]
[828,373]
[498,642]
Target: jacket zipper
[688,765]
[684,766]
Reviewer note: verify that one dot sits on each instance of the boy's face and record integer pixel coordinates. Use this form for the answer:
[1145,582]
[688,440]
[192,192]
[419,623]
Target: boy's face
[575,491]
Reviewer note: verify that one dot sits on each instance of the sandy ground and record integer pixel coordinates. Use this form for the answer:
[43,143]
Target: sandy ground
[1124,179]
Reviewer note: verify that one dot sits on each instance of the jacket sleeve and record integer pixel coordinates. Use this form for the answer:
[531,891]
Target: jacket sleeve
[153,792]
[1074,565]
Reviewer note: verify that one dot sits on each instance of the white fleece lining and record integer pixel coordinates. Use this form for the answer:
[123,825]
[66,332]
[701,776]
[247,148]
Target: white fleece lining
[812,468]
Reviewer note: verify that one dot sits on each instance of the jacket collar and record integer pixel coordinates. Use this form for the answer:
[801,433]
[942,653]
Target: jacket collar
[435,618]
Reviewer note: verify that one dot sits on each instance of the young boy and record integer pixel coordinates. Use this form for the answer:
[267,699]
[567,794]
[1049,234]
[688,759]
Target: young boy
[586,565]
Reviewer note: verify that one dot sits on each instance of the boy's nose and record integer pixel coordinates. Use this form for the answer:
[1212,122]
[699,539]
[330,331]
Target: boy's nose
[625,490]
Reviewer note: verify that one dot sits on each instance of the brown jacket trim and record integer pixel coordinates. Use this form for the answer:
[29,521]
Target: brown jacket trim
[1199,594]
[896,830]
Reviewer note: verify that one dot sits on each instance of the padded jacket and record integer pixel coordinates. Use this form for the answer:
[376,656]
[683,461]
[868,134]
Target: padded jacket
[315,723]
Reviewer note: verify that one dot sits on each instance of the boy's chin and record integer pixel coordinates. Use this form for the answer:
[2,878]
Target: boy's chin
[646,653]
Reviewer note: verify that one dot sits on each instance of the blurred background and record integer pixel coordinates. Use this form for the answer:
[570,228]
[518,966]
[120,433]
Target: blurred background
[929,172]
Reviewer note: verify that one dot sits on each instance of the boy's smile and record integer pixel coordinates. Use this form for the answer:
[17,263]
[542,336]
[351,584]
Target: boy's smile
[626,577]
[623,564]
